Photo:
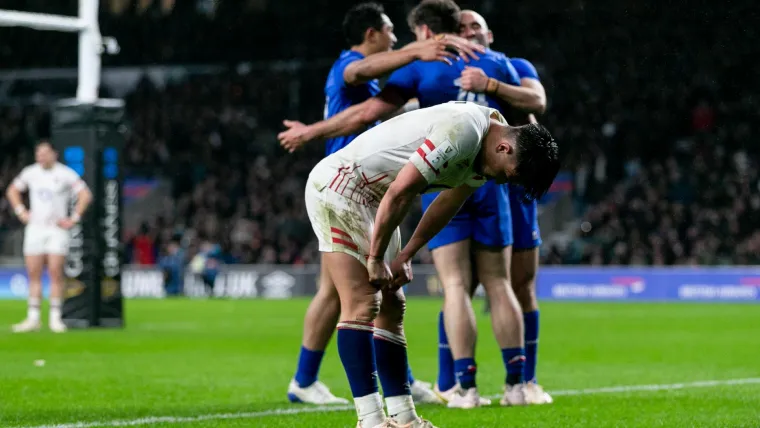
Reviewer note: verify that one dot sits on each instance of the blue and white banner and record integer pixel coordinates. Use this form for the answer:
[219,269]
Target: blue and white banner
[649,283]
[14,283]
[634,284]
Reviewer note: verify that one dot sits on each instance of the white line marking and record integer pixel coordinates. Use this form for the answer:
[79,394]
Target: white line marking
[668,387]
[323,409]
[183,419]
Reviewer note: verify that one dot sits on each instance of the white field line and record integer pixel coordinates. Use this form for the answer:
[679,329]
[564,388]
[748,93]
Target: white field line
[665,387]
[323,409]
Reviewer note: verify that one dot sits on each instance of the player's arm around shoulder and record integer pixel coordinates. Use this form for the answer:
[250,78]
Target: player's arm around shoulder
[535,96]
[433,49]
[530,96]
[377,65]
[347,122]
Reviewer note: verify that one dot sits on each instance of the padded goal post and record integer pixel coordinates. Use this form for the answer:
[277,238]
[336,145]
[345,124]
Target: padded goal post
[87,133]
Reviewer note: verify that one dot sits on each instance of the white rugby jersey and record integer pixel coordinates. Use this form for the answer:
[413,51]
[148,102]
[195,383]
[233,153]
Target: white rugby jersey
[50,191]
[442,141]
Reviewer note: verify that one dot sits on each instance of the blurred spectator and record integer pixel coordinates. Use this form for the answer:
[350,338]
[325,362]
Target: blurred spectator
[701,210]
[143,247]
[172,262]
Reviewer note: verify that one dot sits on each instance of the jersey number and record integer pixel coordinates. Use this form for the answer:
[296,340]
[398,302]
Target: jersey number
[472,97]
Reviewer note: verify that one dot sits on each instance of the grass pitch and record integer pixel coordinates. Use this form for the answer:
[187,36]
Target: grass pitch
[222,363]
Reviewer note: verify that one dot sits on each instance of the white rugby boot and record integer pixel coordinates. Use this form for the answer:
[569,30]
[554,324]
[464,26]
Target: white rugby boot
[536,394]
[26,326]
[515,395]
[422,393]
[390,423]
[316,393]
[447,396]
[468,399]
[56,325]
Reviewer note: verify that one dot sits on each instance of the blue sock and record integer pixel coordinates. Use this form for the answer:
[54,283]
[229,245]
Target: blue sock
[465,369]
[447,379]
[409,375]
[531,345]
[392,363]
[308,366]
[514,361]
[357,353]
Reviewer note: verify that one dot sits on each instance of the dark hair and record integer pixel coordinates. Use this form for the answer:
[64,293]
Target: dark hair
[359,19]
[44,142]
[537,159]
[441,16]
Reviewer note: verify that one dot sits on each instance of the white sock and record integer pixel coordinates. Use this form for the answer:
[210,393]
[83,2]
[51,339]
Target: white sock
[369,409]
[401,409]
[33,309]
[55,309]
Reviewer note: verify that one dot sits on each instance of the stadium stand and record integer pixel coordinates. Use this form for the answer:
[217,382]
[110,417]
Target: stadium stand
[664,169]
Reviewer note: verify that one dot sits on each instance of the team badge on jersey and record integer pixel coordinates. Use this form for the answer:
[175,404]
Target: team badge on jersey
[439,157]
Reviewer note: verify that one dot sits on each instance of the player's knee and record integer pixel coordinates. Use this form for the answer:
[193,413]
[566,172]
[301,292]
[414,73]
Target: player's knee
[394,307]
[524,286]
[363,307]
[455,287]
[496,286]
[35,273]
[56,275]
[526,295]
[501,296]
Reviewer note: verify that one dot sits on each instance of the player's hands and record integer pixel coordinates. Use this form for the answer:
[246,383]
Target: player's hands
[435,49]
[473,79]
[379,273]
[24,217]
[401,269]
[295,136]
[432,50]
[66,223]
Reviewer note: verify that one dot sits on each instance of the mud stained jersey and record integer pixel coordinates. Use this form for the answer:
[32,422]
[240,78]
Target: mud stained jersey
[344,190]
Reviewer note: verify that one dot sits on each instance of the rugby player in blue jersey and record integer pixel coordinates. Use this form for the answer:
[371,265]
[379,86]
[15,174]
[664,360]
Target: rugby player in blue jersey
[352,80]
[485,217]
[530,98]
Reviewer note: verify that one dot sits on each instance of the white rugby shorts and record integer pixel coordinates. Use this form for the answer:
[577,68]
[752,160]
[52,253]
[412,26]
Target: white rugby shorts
[343,225]
[42,239]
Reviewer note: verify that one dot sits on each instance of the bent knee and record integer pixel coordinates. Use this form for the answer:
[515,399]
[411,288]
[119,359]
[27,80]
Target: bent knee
[394,307]
[362,307]
[526,295]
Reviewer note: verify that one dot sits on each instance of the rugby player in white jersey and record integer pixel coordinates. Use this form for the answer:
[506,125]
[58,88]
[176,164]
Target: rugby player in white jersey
[357,197]
[51,186]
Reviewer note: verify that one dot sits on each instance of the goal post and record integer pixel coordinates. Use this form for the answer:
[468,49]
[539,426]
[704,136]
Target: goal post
[87,132]
[90,41]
